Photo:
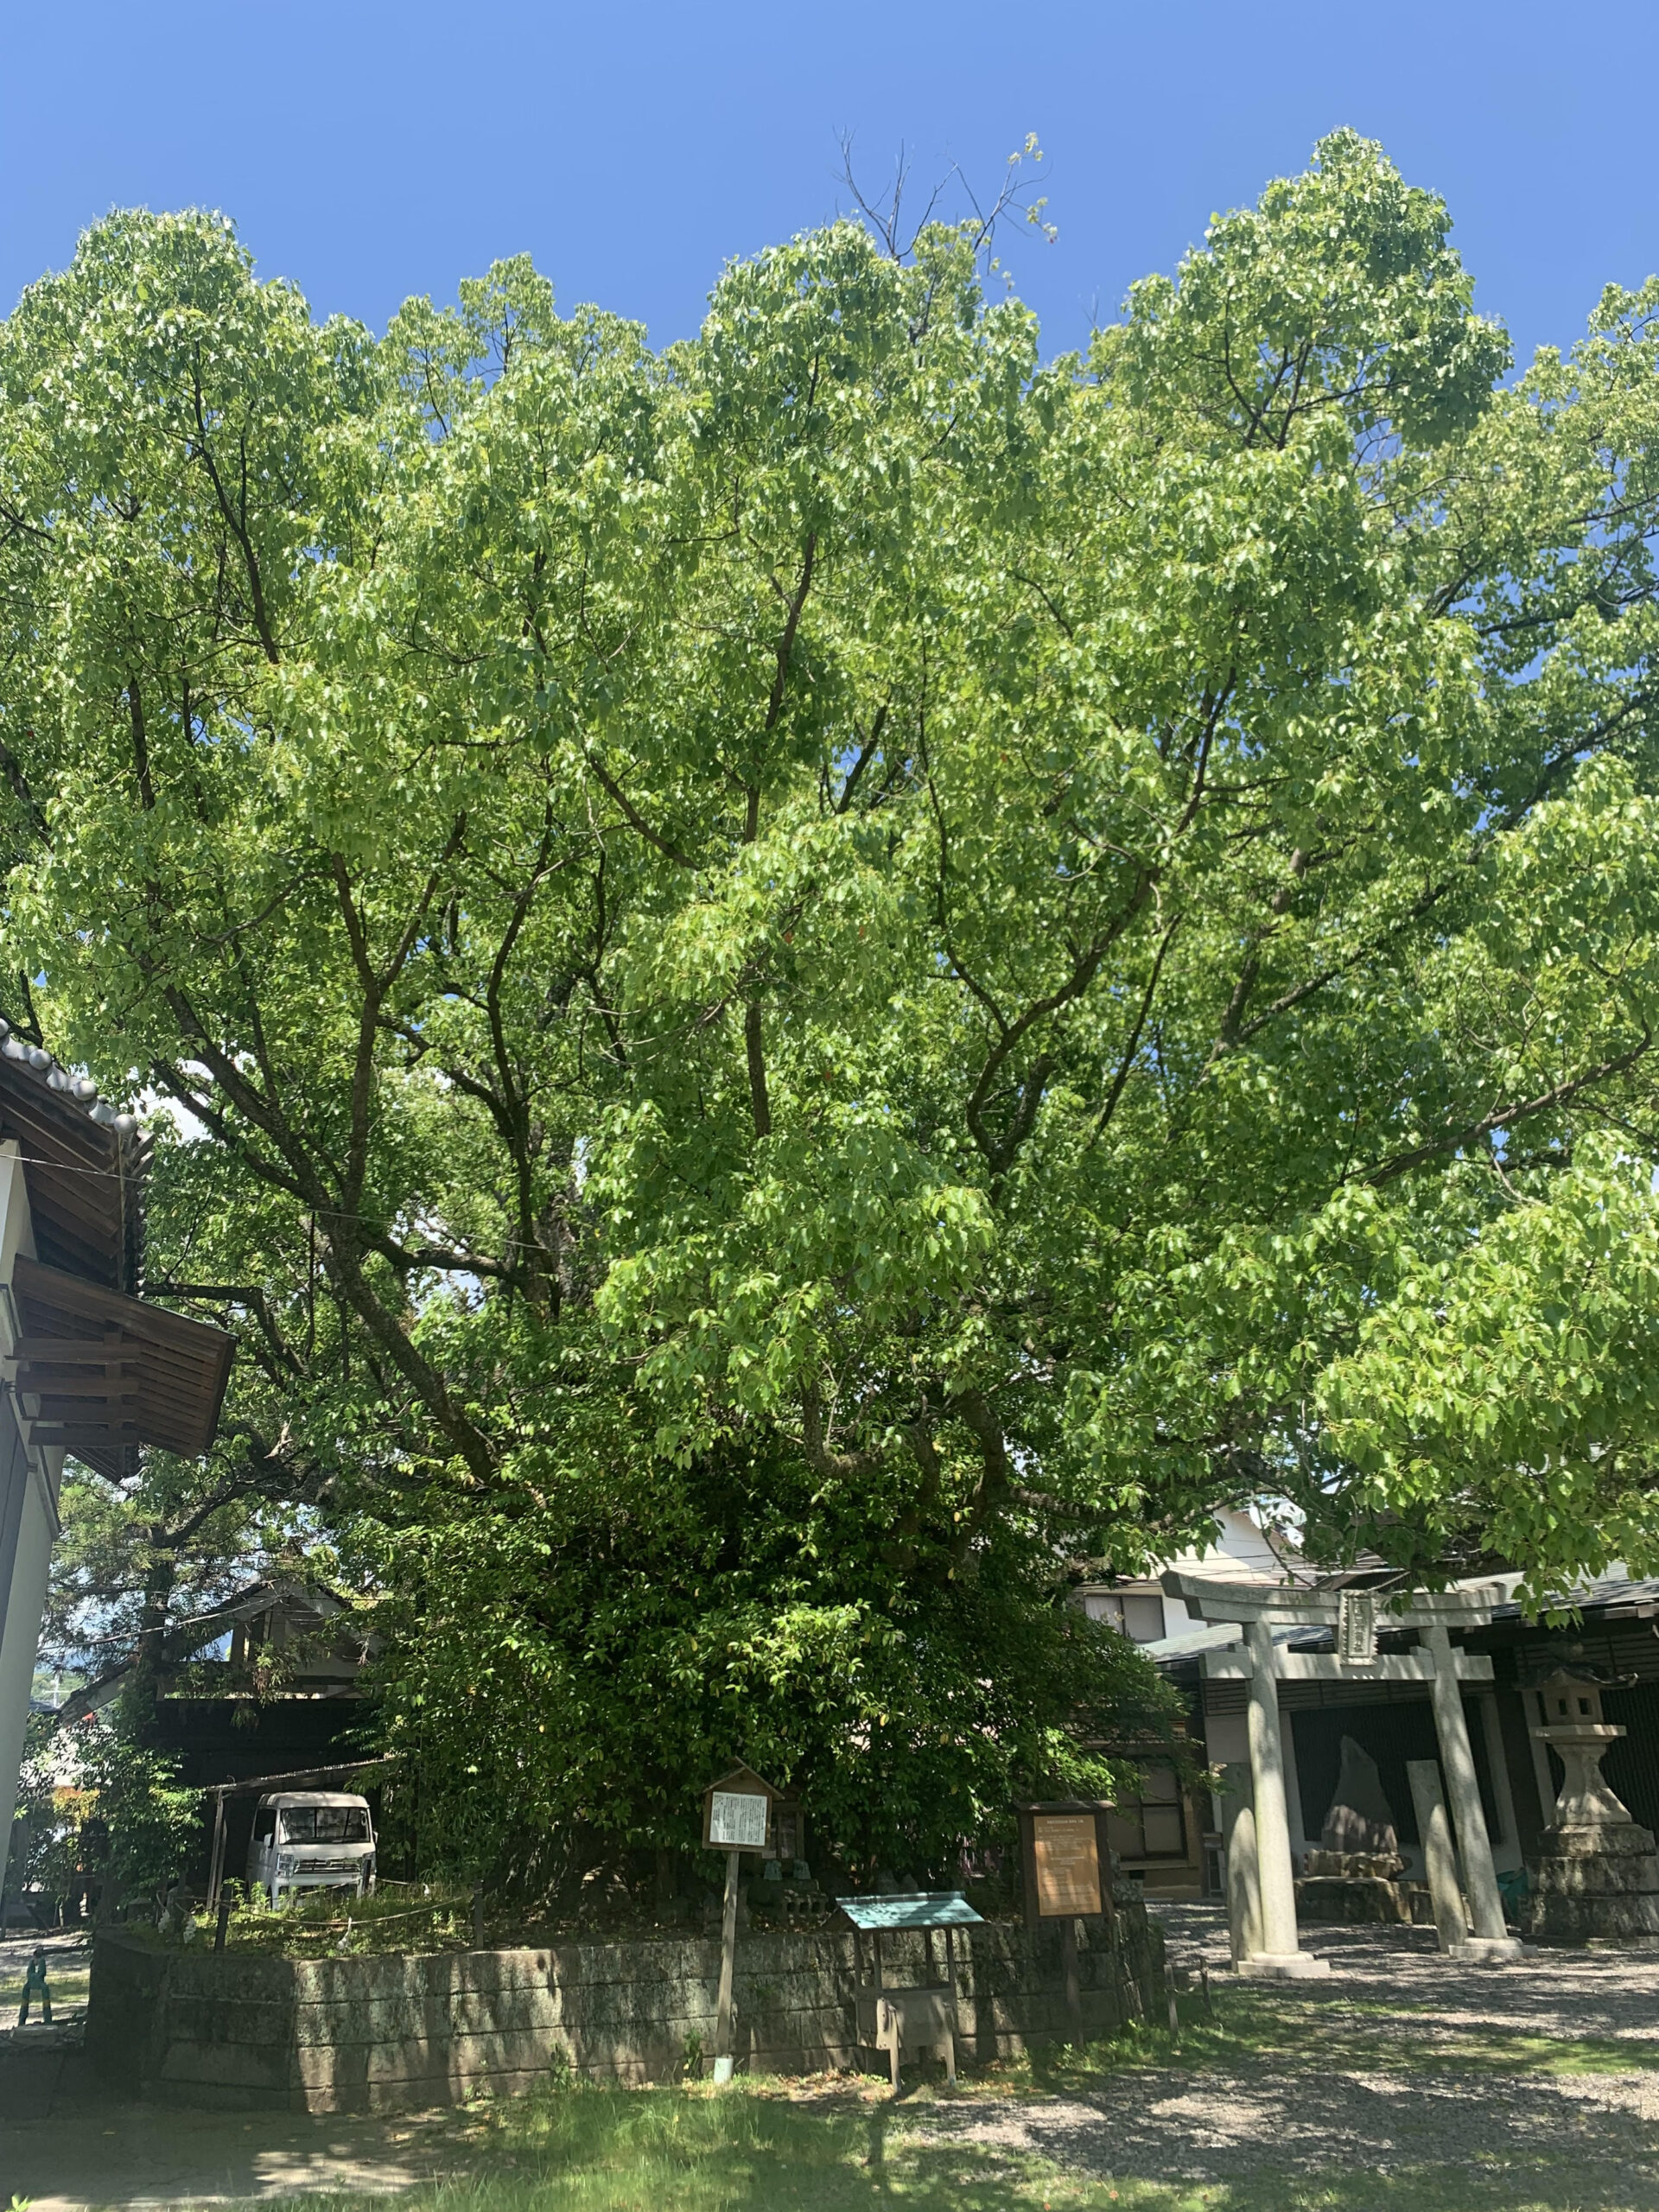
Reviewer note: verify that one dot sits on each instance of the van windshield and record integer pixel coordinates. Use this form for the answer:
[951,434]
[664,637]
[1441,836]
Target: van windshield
[325,1824]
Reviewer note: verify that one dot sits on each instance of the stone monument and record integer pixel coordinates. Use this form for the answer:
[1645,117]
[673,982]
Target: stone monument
[1595,1882]
[1359,1817]
[1353,1875]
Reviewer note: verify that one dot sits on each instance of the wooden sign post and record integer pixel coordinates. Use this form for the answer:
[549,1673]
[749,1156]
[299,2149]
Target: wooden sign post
[736,1818]
[1068,1876]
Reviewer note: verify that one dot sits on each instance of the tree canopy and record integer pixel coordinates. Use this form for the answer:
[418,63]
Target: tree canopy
[812,982]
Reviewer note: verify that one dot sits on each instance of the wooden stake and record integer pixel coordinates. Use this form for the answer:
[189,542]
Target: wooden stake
[727,1959]
[1073,1989]
[216,1861]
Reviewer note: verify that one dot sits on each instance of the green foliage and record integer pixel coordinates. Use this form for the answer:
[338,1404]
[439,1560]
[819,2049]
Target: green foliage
[835,976]
[45,1828]
[394,1917]
[137,1562]
[725,1613]
[136,1826]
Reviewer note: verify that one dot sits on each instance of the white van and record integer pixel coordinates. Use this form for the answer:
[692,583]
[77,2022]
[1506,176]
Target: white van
[311,1840]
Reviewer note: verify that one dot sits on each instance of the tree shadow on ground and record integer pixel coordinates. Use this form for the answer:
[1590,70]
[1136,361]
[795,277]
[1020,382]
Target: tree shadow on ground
[598,2151]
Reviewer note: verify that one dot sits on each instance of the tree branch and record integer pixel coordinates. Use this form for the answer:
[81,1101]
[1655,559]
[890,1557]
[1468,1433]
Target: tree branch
[1506,1118]
[998,1156]
[1109,1104]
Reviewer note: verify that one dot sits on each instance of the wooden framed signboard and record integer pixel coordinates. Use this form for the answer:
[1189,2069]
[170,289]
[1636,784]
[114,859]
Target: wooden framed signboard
[737,1812]
[1066,1853]
[1067,1866]
[736,1818]
[1066,1863]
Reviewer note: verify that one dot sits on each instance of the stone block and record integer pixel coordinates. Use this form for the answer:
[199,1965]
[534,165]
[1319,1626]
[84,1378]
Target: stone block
[1355,1900]
[1633,1921]
[1597,1884]
[1596,1876]
[1602,1839]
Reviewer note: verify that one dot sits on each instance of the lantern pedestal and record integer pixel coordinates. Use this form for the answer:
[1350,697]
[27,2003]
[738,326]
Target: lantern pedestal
[1597,1886]
[1595,1881]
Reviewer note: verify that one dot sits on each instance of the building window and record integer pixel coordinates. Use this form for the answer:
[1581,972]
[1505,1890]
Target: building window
[1151,1826]
[1140,1617]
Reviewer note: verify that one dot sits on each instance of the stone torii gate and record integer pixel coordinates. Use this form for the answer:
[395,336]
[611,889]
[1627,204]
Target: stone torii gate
[1259,1609]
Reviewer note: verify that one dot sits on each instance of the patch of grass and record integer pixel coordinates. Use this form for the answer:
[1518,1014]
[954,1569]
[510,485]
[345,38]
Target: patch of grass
[68,1988]
[1343,2034]
[435,1915]
[695,2150]
[394,1917]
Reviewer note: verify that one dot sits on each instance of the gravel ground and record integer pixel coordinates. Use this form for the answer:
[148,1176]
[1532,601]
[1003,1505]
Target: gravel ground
[1446,2078]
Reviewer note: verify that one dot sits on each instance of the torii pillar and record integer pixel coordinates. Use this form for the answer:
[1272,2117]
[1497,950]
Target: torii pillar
[1259,1609]
[1280,1957]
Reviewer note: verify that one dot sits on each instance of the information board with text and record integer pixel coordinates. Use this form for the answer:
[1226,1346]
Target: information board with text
[737,1820]
[1067,1851]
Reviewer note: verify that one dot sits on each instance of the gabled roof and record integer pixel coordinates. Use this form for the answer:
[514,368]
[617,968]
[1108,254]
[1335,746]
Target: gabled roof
[188,1638]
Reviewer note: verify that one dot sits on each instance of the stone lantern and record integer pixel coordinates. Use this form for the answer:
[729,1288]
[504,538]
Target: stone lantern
[1576,1732]
[1596,1880]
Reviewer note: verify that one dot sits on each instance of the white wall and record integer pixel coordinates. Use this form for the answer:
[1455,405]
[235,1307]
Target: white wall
[25,1600]
[29,1517]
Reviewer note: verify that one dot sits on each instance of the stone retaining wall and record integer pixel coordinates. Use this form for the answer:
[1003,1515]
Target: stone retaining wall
[376,2034]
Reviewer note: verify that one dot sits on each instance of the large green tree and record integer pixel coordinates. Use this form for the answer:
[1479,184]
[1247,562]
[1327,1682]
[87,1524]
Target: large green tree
[829,970]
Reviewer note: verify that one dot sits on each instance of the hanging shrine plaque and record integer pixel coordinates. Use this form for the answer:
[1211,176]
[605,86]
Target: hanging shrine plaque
[1066,1849]
[1356,1627]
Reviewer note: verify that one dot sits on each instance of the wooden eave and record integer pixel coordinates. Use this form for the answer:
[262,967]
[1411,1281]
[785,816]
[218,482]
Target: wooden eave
[85,1176]
[99,1372]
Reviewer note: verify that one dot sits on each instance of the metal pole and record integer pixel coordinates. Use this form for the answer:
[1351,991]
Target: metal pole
[728,1958]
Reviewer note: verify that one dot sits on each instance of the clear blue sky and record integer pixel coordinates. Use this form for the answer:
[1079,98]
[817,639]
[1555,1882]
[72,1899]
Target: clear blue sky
[369,150]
